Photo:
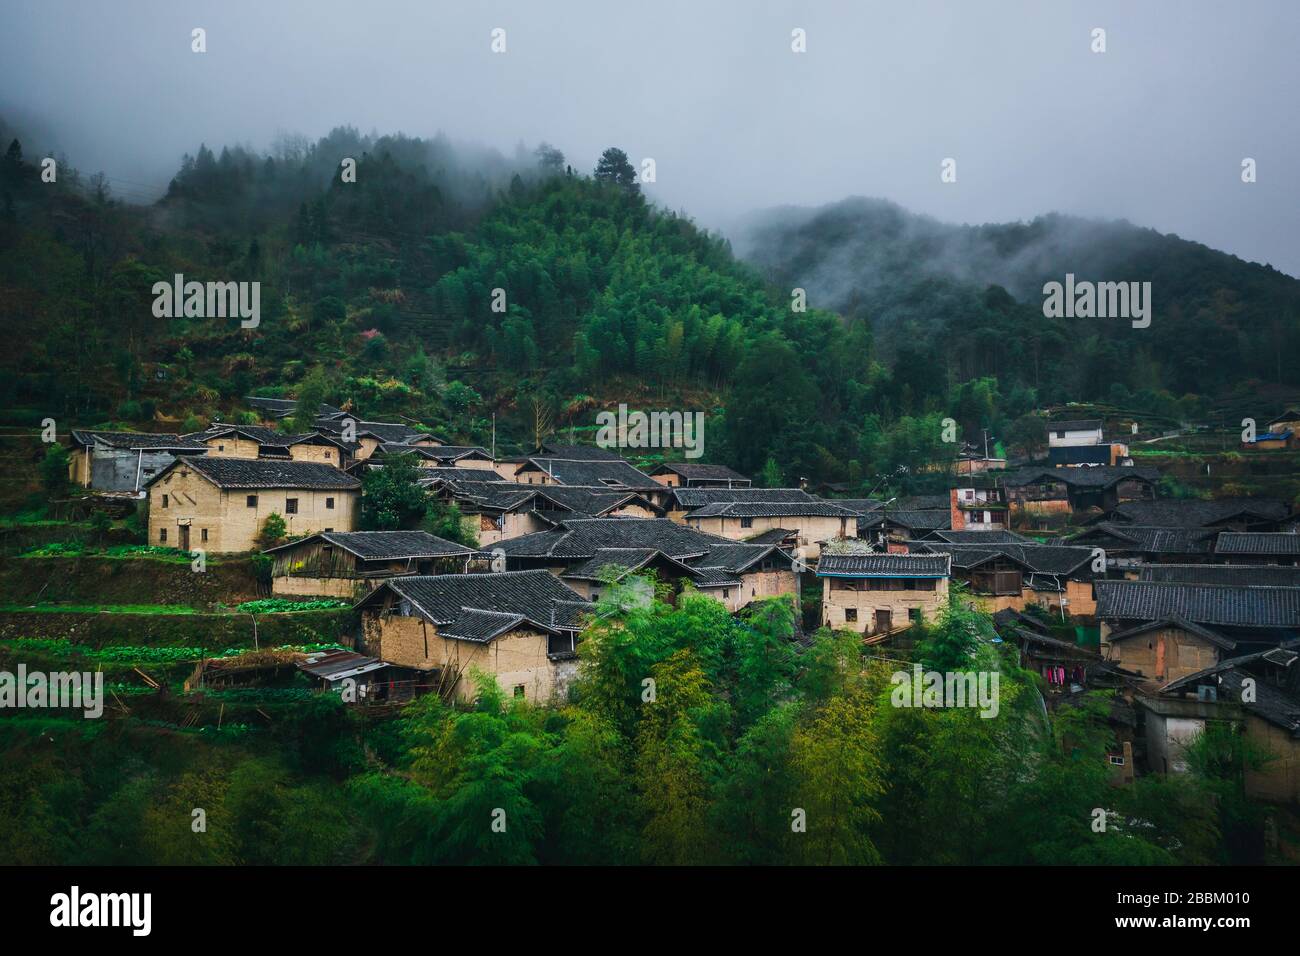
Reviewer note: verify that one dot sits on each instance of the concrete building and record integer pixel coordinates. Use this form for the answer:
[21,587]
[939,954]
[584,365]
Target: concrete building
[125,461]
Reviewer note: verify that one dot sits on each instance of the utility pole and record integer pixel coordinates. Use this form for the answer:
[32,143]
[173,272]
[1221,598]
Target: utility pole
[494,436]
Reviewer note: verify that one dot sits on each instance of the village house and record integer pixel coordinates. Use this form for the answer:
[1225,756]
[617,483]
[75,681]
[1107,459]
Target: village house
[814,522]
[891,528]
[347,564]
[875,593]
[1128,546]
[1037,493]
[499,510]
[972,460]
[520,627]
[692,475]
[734,573]
[125,461]
[978,504]
[357,679]
[1166,631]
[1258,547]
[1222,514]
[256,441]
[613,473]
[370,435]
[1288,421]
[1260,691]
[1017,574]
[220,505]
[465,457]
[681,501]
[1074,433]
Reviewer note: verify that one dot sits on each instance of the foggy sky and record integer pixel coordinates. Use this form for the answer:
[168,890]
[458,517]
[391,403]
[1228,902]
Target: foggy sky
[1153,130]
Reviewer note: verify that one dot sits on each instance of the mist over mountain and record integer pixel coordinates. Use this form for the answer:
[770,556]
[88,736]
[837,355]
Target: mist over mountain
[913,275]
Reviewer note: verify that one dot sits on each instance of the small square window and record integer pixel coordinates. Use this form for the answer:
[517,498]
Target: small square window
[329,502]
[519,690]
[747,522]
[291,506]
[221,448]
[327,456]
[252,501]
[851,615]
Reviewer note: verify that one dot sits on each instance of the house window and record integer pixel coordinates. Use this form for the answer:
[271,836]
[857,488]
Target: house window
[252,501]
[291,506]
[327,456]
[914,615]
[221,448]
[329,502]
[850,615]
[519,690]
[162,534]
[1116,761]
[747,522]
[203,534]
[726,593]
[595,596]
[165,501]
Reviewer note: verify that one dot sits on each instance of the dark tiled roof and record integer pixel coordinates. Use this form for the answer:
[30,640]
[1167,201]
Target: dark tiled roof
[384,431]
[687,498]
[772,509]
[582,538]
[624,560]
[1192,513]
[388,545]
[578,452]
[715,578]
[263,473]
[929,520]
[735,556]
[982,537]
[446,453]
[258,433]
[586,500]
[1245,575]
[1095,477]
[459,474]
[1040,558]
[1211,604]
[445,599]
[611,474]
[1176,620]
[481,626]
[884,565]
[771,536]
[699,471]
[921,503]
[1160,540]
[1255,542]
[149,441]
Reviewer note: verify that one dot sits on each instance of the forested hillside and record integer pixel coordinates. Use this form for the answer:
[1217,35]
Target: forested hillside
[968,299]
[380,293]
